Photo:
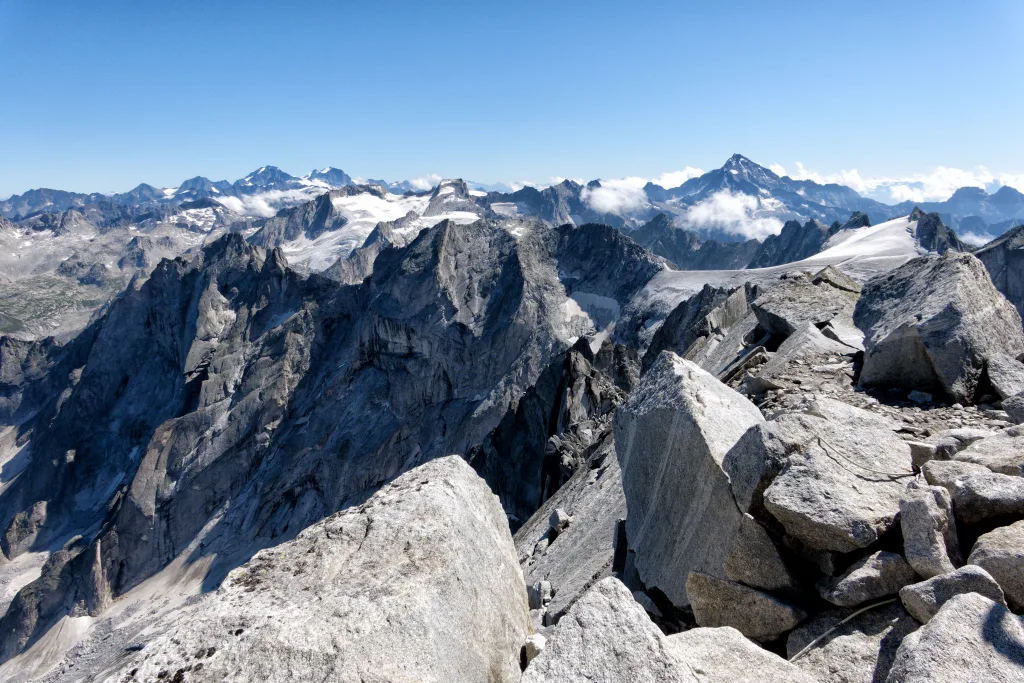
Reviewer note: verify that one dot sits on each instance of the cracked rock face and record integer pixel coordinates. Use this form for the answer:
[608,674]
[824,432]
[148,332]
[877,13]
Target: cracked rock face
[420,582]
[229,402]
[923,600]
[671,436]
[860,649]
[971,638]
[841,491]
[607,636]
[932,324]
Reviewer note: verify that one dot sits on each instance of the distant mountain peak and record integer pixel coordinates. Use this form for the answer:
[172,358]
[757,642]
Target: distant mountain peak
[332,176]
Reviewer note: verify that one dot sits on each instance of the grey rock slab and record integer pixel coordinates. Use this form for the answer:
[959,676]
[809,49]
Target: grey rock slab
[929,530]
[977,492]
[1003,452]
[876,576]
[932,324]
[971,638]
[1006,374]
[533,646]
[840,491]
[793,302]
[754,559]
[837,279]
[923,600]
[921,452]
[671,436]
[584,551]
[418,583]
[860,650]
[844,331]
[1000,552]
[1014,407]
[724,655]
[606,637]
[559,520]
[754,613]
[804,341]
[759,455]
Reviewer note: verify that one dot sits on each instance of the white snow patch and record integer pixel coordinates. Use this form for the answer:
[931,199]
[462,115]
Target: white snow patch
[362,213]
[13,458]
[18,573]
[46,652]
[267,204]
[505,208]
[862,254]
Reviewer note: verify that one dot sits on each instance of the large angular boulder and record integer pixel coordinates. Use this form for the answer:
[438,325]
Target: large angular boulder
[671,436]
[794,301]
[977,492]
[420,582]
[754,559]
[932,324]
[840,646]
[1002,452]
[723,655]
[1014,408]
[1001,553]
[929,530]
[753,613]
[607,637]
[1006,375]
[971,638]
[923,600]
[878,575]
[841,490]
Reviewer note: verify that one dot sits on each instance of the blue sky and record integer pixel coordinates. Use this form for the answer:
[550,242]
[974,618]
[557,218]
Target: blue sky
[101,95]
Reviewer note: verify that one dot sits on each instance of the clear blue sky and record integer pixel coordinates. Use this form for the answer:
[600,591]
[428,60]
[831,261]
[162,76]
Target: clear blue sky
[100,95]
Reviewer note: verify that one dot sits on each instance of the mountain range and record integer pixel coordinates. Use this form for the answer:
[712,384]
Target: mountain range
[766,200]
[65,254]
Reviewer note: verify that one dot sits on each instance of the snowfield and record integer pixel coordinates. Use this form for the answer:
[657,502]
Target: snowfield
[862,254]
[362,212]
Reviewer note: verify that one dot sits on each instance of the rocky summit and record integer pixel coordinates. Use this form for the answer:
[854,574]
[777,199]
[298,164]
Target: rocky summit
[472,441]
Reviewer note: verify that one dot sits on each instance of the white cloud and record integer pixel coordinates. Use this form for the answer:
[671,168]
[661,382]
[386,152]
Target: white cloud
[425,182]
[906,193]
[267,204]
[935,185]
[1014,180]
[616,196]
[674,179]
[734,213]
[976,239]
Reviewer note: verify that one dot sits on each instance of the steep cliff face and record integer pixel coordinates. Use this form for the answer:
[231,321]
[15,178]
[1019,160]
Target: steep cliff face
[228,403]
[1004,259]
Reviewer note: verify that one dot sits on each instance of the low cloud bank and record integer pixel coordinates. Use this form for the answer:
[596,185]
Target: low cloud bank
[734,213]
[934,186]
